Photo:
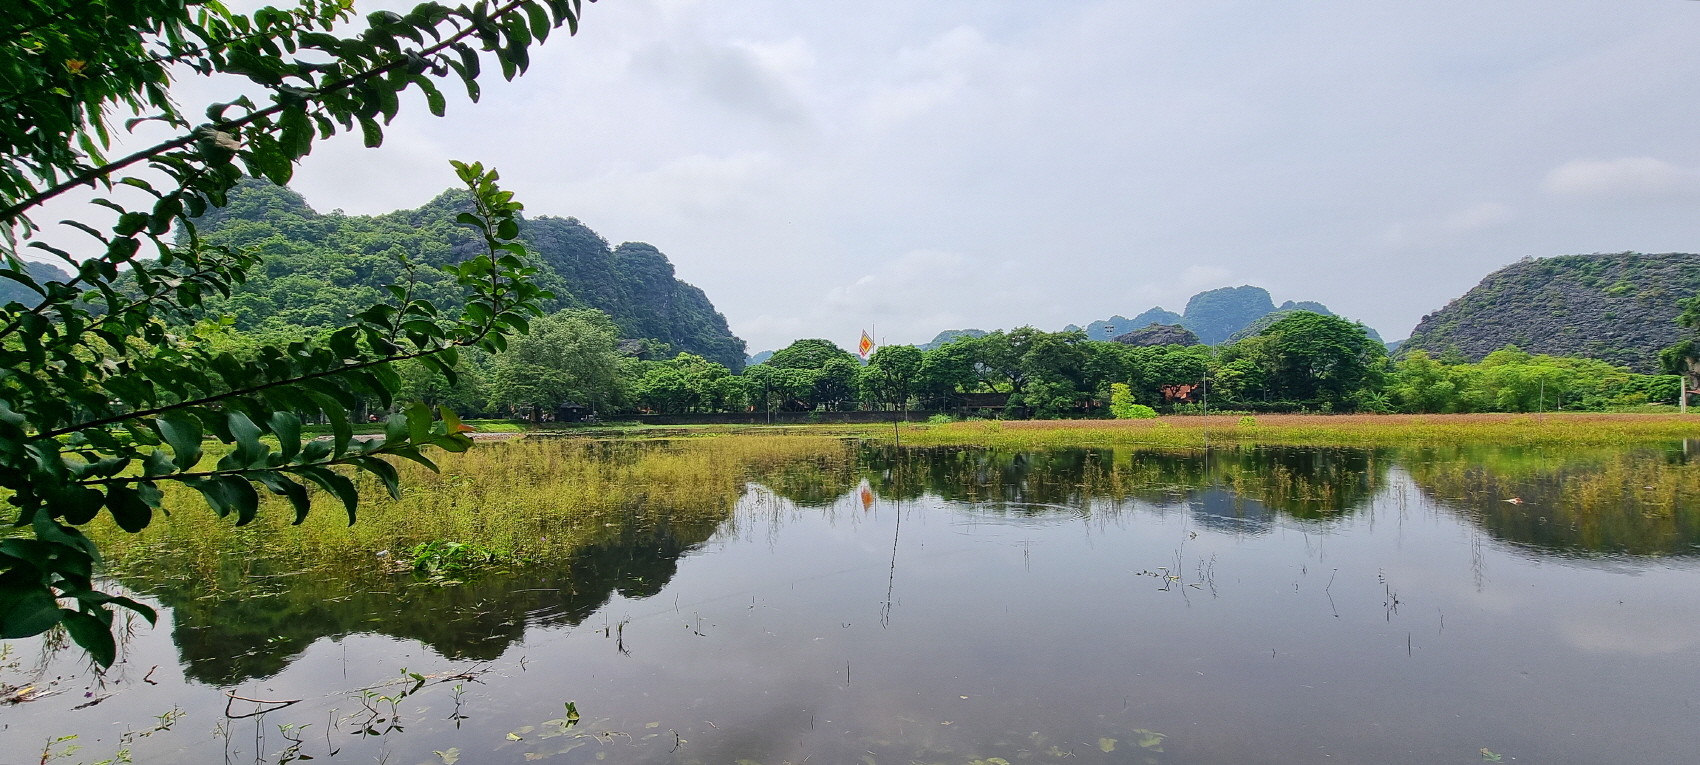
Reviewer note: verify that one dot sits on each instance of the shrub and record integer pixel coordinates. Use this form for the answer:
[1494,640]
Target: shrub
[1122,406]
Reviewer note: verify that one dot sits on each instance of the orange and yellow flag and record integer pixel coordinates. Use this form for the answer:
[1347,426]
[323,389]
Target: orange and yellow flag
[866,346]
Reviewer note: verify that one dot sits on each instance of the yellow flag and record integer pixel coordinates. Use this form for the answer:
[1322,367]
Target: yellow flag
[866,346]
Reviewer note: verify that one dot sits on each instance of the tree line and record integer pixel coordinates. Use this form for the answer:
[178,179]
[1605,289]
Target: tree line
[1305,362]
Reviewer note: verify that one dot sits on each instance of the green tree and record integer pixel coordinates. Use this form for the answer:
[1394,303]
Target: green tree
[1054,364]
[779,389]
[1151,370]
[830,372]
[1002,358]
[948,371]
[811,353]
[568,356]
[1322,359]
[891,375]
[689,383]
[101,399]
[1422,384]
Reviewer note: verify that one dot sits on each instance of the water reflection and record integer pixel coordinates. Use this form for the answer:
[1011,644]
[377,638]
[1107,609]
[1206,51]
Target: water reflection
[258,630]
[1242,488]
[251,622]
[1640,502]
[966,605]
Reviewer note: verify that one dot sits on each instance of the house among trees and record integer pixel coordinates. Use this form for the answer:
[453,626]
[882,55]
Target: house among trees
[1181,394]
[568,411]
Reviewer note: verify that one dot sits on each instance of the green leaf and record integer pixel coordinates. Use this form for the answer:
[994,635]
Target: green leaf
[418,422]
[451,421]
[249,451]
[294,492]
[128,509]
[540,25]
[243,498]
[27,607]
[93,634]
[384,471]
[287,427]
[77,504]
[395,430]
[341,430]
[373,134]
[183,433]
[335,483]
[433,98]
[412,454]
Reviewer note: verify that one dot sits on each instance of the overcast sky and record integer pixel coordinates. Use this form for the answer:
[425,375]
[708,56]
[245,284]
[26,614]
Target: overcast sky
[821,168]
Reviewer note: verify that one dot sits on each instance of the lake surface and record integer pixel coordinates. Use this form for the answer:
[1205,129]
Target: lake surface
[1251,605]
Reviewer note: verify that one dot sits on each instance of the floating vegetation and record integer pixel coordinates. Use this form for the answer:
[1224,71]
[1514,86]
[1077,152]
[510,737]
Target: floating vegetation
[441,561]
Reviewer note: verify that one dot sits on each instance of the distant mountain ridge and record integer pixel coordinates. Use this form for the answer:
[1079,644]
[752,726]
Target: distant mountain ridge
[1619,308]
[319,267]
[1217,316]
[951,334]
[42,273]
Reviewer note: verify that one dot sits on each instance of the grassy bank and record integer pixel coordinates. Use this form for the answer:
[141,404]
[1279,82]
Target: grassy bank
[529,499]
[1320,430]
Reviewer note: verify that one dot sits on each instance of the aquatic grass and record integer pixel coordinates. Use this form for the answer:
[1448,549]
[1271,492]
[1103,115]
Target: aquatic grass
[534,499]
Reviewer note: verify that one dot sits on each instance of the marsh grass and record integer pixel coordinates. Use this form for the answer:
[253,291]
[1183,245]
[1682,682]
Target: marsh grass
[1566,429]
[528,499]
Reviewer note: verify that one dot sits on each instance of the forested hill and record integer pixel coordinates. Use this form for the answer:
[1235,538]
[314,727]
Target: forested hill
[321,267]
[1620,308]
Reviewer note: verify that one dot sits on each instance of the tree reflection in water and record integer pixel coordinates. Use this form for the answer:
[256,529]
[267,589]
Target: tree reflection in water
[1574,504]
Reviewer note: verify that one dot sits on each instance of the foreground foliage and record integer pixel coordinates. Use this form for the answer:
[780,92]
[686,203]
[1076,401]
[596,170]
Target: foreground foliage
[103,400]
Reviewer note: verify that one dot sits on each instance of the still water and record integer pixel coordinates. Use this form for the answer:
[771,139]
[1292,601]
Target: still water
[1256,605]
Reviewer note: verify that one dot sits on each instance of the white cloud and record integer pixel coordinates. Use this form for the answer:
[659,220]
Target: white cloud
[908,299]
[766,80]
[1629,177]
[1478,217]
[926,78]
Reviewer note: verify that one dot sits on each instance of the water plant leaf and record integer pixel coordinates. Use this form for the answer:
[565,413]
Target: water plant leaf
[449,756]
[1107,745]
